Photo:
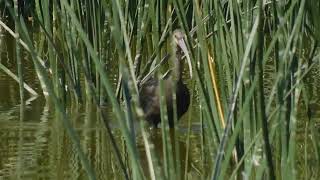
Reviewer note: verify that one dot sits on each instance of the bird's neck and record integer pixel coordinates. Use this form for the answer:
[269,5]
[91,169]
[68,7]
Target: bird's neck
[178,67]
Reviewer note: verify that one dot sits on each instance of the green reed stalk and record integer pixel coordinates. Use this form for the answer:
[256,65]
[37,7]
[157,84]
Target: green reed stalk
[233,103]
[18,57]
[192,95]
[104,119]
[100,68]
[58,105]
[261,111]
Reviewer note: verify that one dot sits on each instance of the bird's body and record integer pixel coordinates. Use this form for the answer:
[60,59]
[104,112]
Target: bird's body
[149,91]
[150,100]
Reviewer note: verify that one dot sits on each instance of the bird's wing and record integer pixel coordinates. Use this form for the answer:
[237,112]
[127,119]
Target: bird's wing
[149,96]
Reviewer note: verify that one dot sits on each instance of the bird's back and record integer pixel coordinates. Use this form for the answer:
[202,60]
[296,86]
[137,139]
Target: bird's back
[150,100]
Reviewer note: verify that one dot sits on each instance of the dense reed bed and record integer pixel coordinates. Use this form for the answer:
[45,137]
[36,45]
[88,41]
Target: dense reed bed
[250,60]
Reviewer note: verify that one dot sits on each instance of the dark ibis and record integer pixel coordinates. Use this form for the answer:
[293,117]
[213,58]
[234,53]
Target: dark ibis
[149,90]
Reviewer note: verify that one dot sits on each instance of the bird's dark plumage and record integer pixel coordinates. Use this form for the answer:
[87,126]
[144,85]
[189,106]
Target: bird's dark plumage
[149,91]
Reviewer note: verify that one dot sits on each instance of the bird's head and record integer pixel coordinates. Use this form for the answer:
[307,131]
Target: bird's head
[178,37]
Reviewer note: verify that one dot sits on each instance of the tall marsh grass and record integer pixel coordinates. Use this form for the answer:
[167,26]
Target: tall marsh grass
[248,122]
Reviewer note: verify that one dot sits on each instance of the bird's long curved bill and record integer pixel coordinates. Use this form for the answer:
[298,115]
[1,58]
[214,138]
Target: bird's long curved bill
[183,46]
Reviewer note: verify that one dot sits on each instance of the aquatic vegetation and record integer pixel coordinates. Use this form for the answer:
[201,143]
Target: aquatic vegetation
[249,60]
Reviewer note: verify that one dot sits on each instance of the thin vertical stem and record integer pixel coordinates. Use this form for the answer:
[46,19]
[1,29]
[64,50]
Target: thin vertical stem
[260,90]
[18,57]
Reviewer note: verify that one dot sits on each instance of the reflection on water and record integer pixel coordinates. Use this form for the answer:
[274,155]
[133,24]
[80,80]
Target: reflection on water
[37,147]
